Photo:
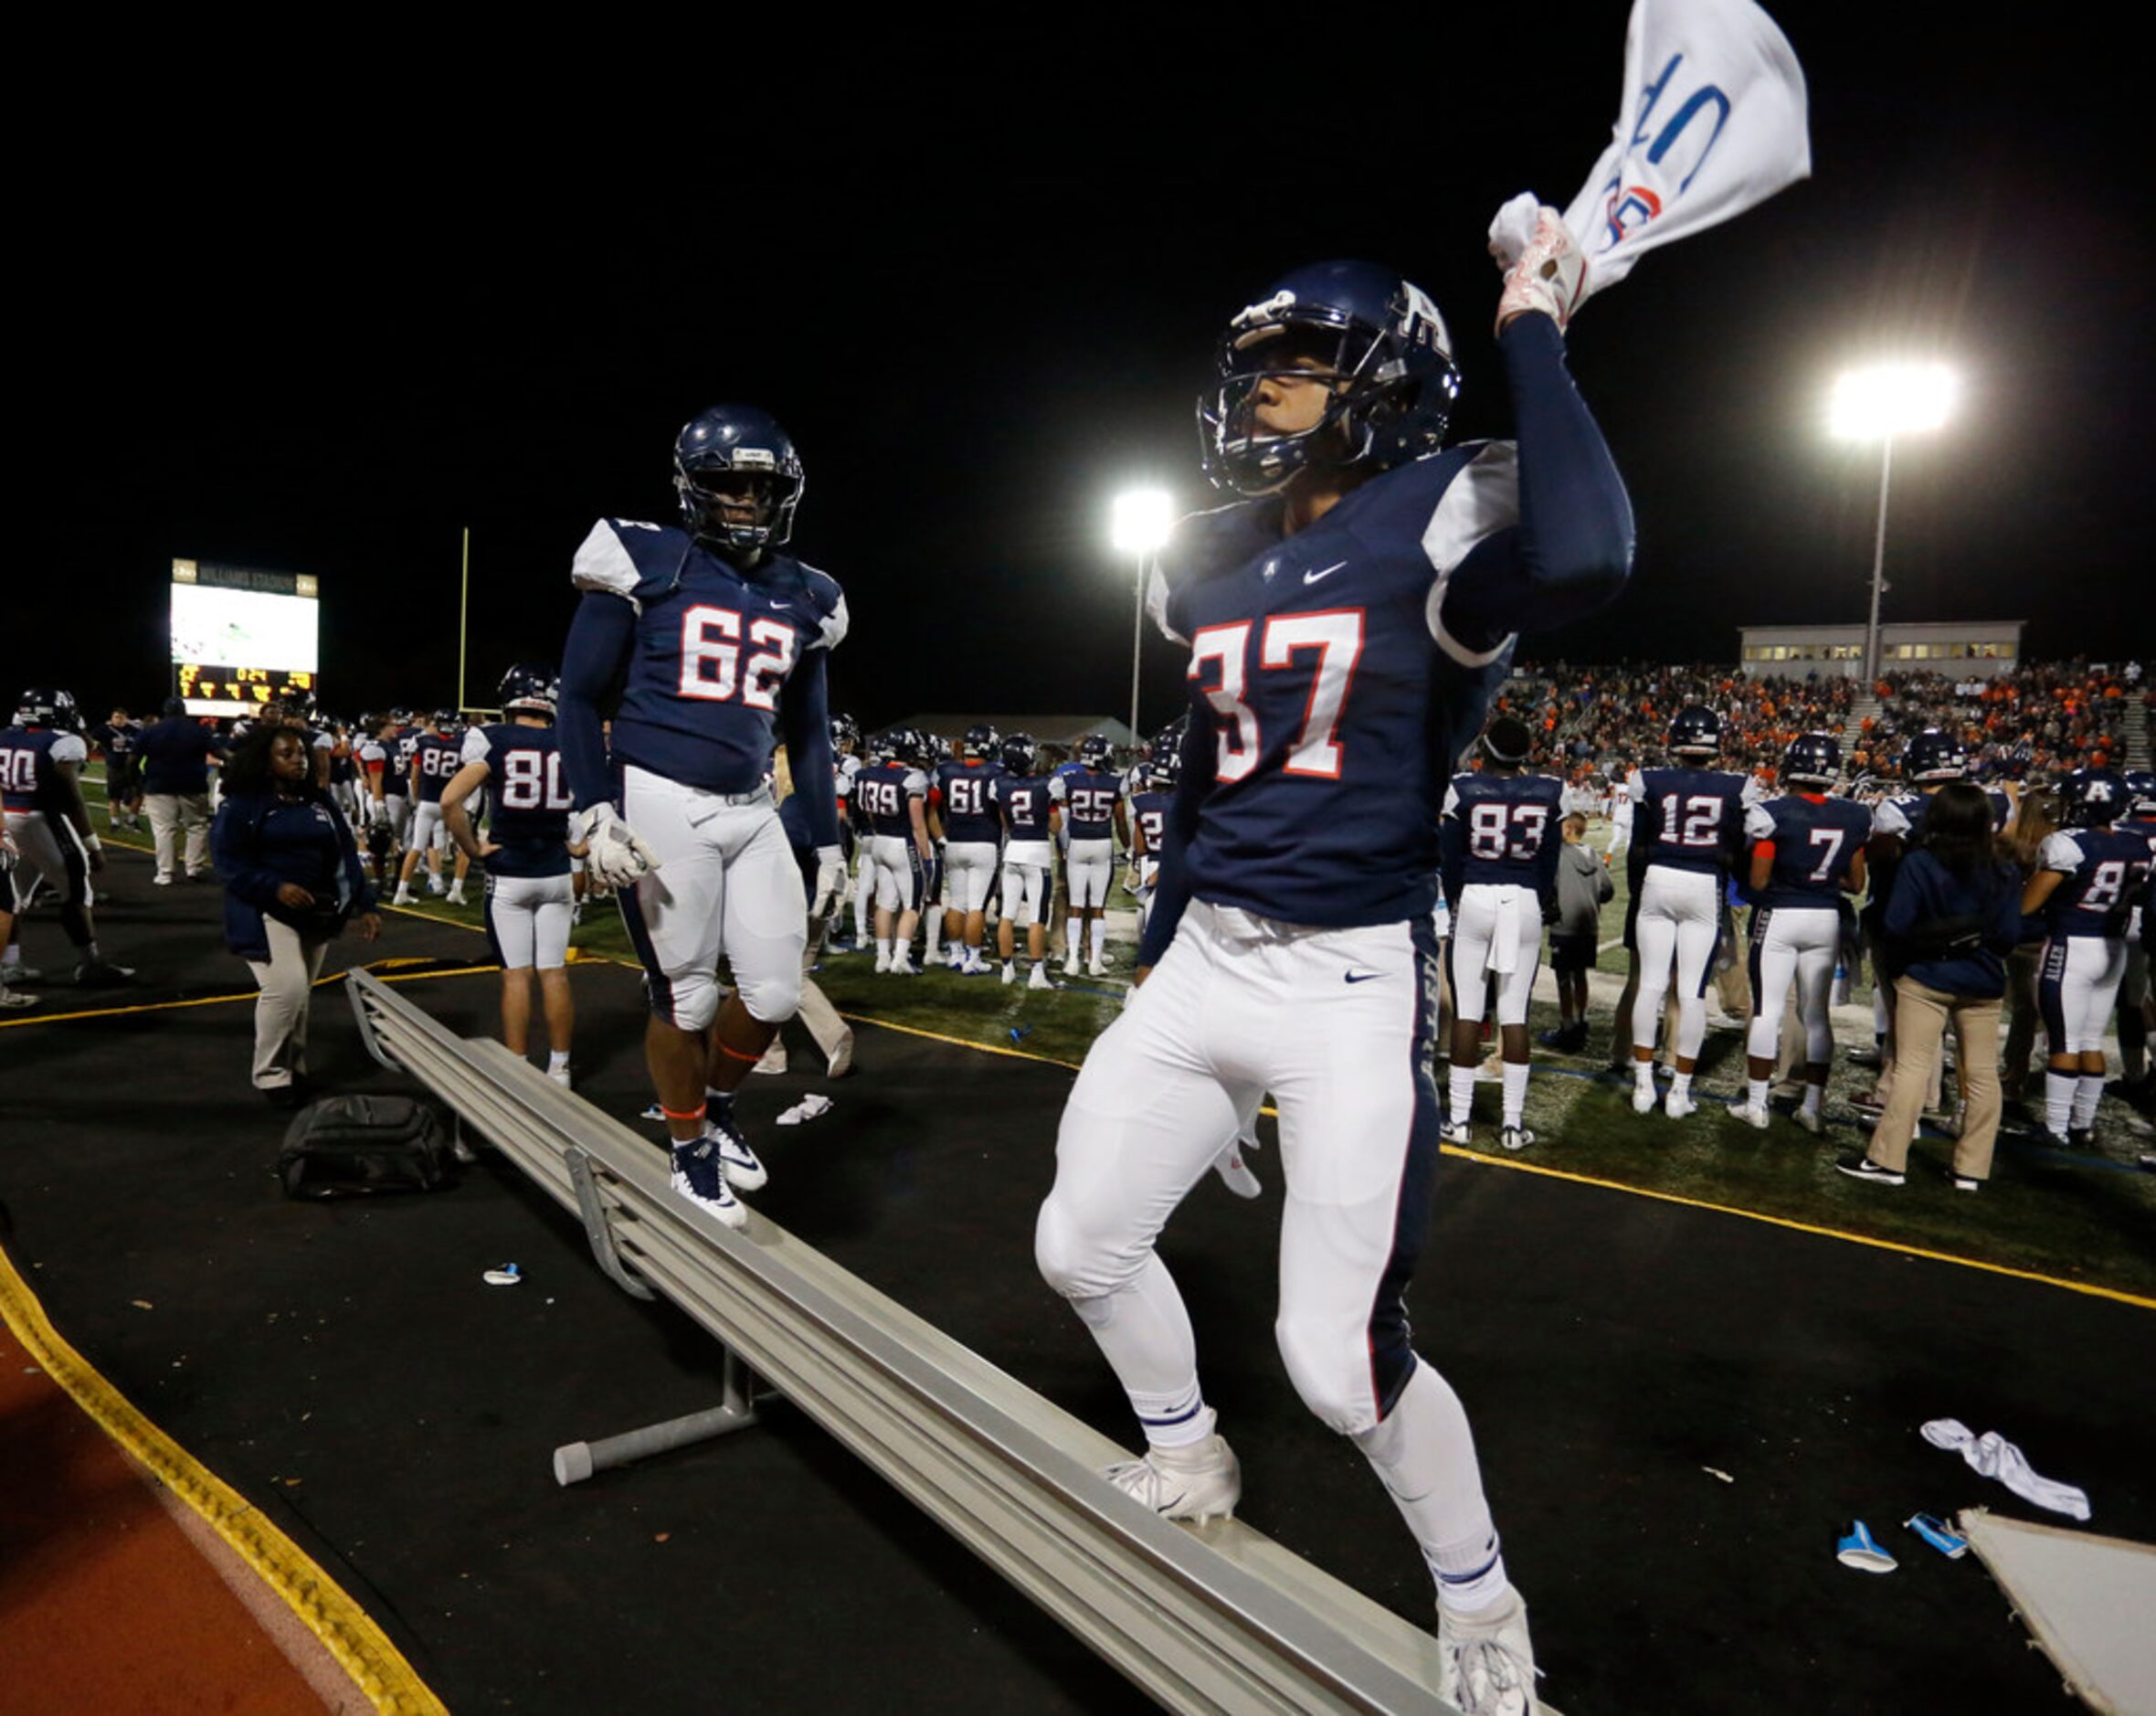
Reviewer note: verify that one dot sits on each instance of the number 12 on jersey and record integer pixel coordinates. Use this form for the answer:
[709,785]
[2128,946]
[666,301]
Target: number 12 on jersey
[1332,637]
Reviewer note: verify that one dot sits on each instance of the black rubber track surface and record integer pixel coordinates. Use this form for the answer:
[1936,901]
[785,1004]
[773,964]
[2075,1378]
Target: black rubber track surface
[344,1366]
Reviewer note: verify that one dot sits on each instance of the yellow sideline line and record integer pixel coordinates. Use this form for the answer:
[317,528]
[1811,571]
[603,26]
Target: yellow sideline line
[245,995]
[962,1042]
[360,1647]
[1804,1227]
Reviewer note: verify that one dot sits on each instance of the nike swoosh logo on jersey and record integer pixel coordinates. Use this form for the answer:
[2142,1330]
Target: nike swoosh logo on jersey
[1363,977]
[1312,578]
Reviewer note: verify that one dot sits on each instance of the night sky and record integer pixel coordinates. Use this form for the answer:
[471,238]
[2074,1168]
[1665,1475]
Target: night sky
[323,331]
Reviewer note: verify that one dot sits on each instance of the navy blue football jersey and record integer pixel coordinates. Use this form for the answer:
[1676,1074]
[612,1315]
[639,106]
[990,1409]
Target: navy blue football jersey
[29,779]
[436,757]
[962,795]
[1329,703]
[528,798]
[1024,802]
[713,650]
[403,748]
[1148,816]
[1502,829]
[1816,840]
[881,794]
[2104,870]
[1089,797]
[1690,818]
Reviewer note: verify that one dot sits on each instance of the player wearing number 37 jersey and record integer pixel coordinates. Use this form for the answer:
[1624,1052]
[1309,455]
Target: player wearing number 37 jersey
[703,644]
[1346,625]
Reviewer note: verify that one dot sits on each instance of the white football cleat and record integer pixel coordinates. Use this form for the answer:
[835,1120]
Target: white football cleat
[1071,966]
[560,1074]
[1040,979]
[698,1177]
[1515,1138]
[1811,1119]
[1678,1106]
[1485,1660]
[1204,1482]
[1642,1099]
[1097,968]
[1010,973]
[736,1161]
[1754,1118]
[1455,1133]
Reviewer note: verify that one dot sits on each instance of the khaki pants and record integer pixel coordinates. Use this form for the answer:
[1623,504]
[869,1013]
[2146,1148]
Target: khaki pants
[287,983]
[169,813]
[1920,1016]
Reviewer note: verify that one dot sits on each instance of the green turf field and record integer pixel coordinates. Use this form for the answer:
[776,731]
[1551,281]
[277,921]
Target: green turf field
[2087,1217]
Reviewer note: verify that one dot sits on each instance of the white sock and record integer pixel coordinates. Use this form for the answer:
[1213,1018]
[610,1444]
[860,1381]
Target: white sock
[1516,1092]
[1424,1453]
[556,1059]
[1461,1084]
[1100,938]
[1681,1085]
[1071,936]
[1812,1093]
[1144,1332]
[2059,1091]
[1643,1074]
[1755,1091]
[2088,1090]
[883,948]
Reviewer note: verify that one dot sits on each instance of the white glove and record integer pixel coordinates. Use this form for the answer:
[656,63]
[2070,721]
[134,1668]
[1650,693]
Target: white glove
[830,880]
[1543,268]
[617,855]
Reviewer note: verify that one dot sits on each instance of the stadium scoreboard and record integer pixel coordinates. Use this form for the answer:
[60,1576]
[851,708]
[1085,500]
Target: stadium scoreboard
[242,635]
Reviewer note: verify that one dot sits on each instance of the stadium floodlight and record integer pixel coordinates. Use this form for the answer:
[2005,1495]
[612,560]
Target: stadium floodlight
[1139,521]
[1878,403]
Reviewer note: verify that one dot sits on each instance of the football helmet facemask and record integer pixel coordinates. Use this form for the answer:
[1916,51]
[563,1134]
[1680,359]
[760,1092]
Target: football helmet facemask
[530,689]
[1388,358]
[714,453]
[2141,793]
[1697,732]
[1813,760]
[1096,750]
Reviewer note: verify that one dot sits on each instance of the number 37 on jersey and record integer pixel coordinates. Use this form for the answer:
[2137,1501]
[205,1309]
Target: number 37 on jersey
[1313,653]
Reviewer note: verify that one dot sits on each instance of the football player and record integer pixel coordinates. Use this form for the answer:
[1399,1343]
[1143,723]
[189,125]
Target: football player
[1690,827]
[1349,620]
[1029,816]
[971,834]
[1807,851]
[435,757]
[846,758]
[121,739]
[41,758]
[1094,825]
[890,803]
[2088,876]
[11,998]
[1498,847]
[524,857]
[703,642]
[1149,807]
[2136,1084]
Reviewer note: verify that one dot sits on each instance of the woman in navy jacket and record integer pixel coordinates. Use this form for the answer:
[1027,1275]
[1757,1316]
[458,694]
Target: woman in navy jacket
[1952,918]
[292,879]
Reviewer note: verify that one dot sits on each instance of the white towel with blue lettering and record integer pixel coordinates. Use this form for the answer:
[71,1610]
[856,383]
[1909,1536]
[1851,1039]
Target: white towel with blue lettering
[1712,121]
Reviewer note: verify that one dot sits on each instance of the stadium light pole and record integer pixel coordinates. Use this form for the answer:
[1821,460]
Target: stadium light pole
[1138,524]
[1878,403]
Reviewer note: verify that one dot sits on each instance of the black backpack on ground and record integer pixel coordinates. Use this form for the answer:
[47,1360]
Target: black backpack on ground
[348,1145]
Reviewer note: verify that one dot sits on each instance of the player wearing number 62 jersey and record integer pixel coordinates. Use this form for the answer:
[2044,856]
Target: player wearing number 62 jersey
[1687,830]
[530,897]
[706,644]
[1500,843]
[1807,851]
[1346,624]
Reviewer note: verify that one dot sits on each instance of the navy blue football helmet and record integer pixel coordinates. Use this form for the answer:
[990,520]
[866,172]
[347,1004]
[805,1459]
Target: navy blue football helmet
[1096,750]
[2141,793]
[981,741]
[530,689]
[1019,753]
[1813,760]
[1697,732]
[724,441]
[2091,797]
[1378,334]
[40,707]
[1934,756]
[845,734]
